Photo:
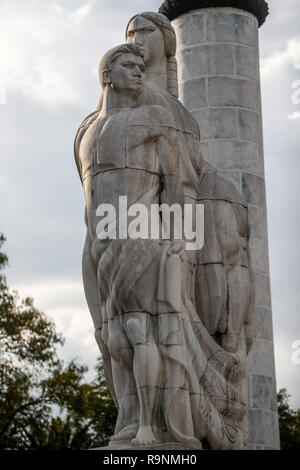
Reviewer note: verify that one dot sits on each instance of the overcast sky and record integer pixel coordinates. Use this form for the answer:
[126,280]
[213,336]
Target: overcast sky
[49,52]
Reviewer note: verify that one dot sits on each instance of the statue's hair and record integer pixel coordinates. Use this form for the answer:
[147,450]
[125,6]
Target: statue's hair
[170,46]
[107,61]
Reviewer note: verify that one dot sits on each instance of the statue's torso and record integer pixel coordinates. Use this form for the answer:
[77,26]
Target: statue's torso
[118,156]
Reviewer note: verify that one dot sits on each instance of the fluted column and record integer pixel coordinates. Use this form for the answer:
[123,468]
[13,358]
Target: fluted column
[219,82]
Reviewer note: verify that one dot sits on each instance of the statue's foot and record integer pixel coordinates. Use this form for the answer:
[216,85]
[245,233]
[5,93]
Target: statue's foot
[125,435]
[144,437]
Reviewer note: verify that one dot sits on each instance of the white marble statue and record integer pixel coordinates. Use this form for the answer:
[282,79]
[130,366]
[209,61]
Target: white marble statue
[173,326]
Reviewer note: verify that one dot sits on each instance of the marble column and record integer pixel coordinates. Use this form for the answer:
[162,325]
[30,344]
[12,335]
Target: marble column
[219,82]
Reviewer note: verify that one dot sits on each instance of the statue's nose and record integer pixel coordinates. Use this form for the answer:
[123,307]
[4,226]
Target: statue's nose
[137,71]
[138,39]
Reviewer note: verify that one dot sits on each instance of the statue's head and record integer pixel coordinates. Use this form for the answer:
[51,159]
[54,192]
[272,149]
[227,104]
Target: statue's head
[121,68]
[156,36]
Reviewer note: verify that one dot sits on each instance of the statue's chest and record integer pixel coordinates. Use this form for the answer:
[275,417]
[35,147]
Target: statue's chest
[126,140]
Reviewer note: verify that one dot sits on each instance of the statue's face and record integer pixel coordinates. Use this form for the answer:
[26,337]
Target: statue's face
[127,73]
[148,36]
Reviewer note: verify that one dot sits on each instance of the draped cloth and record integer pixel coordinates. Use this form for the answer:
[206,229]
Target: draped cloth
[203,391]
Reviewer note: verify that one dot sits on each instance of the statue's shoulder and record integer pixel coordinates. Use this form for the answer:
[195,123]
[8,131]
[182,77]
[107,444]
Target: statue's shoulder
[84,126]
[159,100]
[155,108]
[215,186]
[158,115]
[89,120]
[86,123]
[155,96]
[185,119]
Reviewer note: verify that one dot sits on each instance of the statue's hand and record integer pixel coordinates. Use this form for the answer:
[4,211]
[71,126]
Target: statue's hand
[177,247]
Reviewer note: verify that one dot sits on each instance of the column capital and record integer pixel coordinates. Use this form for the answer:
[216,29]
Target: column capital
[173,8]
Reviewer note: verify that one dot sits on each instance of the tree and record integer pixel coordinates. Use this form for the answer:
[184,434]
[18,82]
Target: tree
[289,422]
[44,403]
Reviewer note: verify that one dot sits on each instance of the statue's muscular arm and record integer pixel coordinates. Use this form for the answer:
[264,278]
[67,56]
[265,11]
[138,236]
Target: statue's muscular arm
[89,269]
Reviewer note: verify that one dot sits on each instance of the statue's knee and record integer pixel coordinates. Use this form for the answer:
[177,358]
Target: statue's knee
[102,344]
[120,351]
[114,347]
[136,328]
[117,343]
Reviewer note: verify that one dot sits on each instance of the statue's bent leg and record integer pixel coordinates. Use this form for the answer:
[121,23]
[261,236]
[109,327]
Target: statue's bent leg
[140,330]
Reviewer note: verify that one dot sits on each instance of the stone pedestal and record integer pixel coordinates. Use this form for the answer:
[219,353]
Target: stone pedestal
[219,82]
[175,446]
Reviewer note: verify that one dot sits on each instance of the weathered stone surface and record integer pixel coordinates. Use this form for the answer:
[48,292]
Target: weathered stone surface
[263,392]
[194,93]
[250,127]
[258,221]
[216,123]
[261,359]
[235,177]
[229,27]
[252,158]
[226,91]
[262,290]
[159,447]
[210,59]
[190,29]
[246,62]
[224,154]
[262,323]
[229,154]
[263,428]
[275,447]
[259,255]
[251,447]
[254,189]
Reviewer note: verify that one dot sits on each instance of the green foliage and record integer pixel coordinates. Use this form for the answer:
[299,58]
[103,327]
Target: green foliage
[289,422]
[44,403]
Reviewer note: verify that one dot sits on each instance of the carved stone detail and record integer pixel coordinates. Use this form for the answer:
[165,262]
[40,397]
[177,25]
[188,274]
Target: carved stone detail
[173,8]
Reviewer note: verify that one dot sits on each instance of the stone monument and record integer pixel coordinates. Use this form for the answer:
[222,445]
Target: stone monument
[219,82]
[173,321]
